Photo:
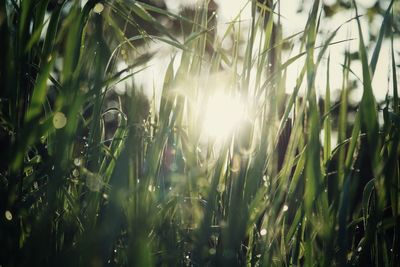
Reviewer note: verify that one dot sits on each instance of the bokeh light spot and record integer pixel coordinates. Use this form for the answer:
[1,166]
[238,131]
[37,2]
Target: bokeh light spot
[59,120]
[98,8]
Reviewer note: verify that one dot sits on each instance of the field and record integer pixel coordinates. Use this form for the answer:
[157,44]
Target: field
[218,164]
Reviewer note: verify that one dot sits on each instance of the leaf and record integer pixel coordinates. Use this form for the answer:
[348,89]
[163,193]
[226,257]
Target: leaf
[368,112]
[368,188]
[39,92]
[382,30]
[327,122]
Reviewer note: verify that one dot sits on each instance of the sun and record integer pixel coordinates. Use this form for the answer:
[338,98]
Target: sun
[223,114]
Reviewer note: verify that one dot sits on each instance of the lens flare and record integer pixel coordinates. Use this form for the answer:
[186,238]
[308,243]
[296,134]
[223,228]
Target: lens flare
[223,114]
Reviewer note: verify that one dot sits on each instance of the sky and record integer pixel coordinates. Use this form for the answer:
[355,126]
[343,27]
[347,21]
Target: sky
[292,21]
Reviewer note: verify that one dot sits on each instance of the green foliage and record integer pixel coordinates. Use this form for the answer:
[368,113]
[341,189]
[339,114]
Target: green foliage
[145,189]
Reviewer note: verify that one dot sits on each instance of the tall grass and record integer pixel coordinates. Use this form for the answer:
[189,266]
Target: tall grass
[146,187]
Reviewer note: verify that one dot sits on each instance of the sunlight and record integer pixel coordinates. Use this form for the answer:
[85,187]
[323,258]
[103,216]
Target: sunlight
[223,114]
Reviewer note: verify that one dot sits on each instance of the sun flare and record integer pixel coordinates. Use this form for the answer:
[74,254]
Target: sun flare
[223,114]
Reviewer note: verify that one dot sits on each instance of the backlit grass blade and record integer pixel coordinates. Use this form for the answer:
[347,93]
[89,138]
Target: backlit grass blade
[33,113]
[394,80]
[382,31]
[327,122]
[313,172]
[368,115]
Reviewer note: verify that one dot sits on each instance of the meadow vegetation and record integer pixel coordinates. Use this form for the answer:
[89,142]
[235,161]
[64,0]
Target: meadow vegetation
[139,183]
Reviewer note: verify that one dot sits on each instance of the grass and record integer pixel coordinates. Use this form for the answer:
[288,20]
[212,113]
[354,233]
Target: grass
[145,188]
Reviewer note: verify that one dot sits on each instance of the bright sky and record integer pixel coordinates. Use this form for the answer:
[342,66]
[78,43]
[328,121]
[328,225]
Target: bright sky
[292,22]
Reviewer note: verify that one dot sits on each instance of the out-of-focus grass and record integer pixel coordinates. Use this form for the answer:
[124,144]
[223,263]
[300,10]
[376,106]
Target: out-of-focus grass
[147,188]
